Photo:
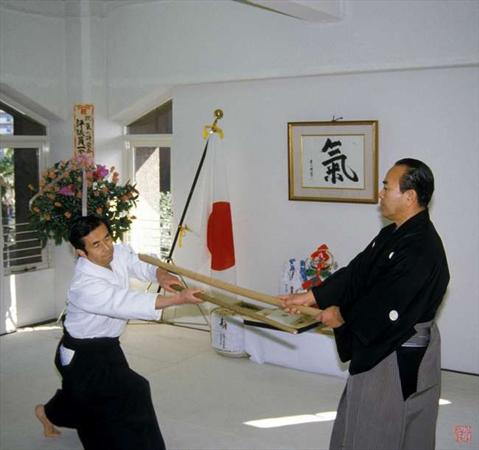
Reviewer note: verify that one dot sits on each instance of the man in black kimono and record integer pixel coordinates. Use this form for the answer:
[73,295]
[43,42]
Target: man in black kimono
[382,308]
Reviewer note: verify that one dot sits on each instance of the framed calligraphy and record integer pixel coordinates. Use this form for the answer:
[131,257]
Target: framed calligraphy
[333,161]
[83,130]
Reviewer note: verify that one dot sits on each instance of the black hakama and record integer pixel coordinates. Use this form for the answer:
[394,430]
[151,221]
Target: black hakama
[107,403]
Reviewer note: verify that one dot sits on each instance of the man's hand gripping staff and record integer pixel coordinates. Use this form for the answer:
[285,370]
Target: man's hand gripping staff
[296,303]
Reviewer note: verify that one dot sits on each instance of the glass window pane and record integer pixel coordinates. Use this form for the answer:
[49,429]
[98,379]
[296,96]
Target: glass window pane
[6,123]
[151,231]
[158,121]
[19,170]
[19,123]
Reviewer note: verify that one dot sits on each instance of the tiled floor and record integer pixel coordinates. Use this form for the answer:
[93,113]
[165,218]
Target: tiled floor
[202,399]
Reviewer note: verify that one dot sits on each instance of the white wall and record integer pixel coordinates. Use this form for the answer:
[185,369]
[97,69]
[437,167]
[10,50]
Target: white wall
[29,298]
[32,60]
[157,44]
[428,114]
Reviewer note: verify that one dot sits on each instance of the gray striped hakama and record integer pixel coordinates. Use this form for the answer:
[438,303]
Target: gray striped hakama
[372,414]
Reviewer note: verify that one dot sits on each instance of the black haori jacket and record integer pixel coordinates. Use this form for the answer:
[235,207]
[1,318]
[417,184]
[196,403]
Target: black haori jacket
[397,281]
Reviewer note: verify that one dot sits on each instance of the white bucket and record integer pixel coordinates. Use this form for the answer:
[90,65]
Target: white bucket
[227,333]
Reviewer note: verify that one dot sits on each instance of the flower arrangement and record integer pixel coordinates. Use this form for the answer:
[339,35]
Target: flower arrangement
[59,200]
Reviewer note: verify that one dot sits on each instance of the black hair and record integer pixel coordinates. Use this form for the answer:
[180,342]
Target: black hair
[418,176]
[82,227]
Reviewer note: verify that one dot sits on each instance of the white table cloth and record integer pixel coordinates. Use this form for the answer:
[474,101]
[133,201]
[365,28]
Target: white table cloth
[311,351]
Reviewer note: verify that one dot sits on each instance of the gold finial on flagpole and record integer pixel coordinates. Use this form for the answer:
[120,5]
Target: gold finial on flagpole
[213,128]
[218,115]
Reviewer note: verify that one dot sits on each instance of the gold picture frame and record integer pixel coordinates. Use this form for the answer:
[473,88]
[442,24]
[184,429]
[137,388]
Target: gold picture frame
[333,161]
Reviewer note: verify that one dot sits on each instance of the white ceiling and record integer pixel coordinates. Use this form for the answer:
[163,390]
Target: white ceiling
[308,10]
[66,8]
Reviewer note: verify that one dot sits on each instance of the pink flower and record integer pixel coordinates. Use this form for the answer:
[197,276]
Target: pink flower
[69,190]
[84,160]
[100,172]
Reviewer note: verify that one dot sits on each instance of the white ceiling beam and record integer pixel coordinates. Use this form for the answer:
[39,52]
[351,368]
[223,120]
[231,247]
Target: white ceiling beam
[310,10]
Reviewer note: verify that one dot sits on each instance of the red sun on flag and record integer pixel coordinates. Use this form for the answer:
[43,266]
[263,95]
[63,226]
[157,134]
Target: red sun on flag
[220,236]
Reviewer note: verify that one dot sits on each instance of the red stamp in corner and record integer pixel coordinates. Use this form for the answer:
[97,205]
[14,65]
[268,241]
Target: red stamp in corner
[463,433]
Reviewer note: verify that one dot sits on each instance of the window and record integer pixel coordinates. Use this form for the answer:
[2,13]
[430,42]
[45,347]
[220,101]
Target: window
[22,143]
[17,123]
[148,143]
[158,121]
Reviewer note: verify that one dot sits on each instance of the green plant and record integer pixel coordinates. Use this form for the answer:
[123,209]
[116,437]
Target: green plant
[59,200]
[166,218]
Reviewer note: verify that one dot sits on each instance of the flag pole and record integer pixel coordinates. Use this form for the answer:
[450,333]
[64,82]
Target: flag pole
[207,131]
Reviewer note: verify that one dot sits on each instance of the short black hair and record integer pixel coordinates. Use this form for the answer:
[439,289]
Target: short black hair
[418,176]
[82,227]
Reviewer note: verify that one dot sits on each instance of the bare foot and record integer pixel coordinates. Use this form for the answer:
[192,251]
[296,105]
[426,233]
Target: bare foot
[49,429]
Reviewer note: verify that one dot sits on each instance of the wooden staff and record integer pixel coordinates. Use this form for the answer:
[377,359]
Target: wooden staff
[270,300]
[240,310]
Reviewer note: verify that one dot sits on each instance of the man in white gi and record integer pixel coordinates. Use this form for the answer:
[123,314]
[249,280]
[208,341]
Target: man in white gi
[382,308]
[107,403]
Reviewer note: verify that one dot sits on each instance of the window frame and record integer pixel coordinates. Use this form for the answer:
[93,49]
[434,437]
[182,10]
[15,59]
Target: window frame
[142,140]
[42,144]
[131,141]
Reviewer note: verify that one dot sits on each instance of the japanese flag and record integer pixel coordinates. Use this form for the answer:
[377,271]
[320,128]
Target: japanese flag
[207,245]
[219,233]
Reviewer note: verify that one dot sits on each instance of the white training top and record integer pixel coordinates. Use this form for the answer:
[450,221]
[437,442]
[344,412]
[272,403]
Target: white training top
[100,300]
